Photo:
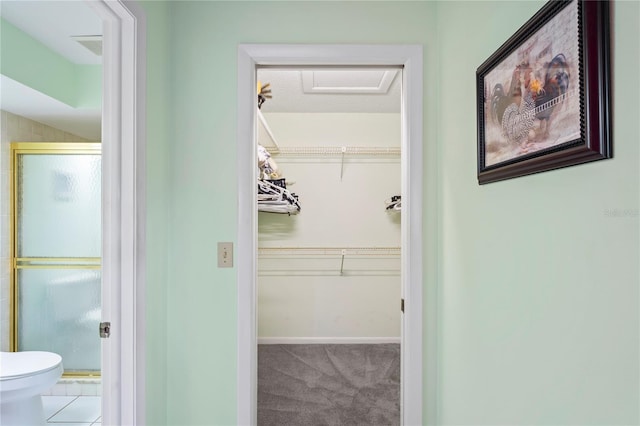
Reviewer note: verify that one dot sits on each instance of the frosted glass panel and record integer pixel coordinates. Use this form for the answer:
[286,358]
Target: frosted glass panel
[59,207]
[59,311]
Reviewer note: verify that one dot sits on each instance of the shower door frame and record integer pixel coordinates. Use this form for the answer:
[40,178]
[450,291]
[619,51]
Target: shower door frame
[34,262]
[409,58]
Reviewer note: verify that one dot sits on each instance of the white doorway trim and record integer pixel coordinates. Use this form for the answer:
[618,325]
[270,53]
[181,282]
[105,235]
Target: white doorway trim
[124,213]
[410,58]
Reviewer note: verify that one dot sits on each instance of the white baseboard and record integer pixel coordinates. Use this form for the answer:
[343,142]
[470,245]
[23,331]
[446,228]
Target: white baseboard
[325,340]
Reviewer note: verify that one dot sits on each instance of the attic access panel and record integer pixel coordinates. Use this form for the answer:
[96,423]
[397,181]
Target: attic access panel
[333,89]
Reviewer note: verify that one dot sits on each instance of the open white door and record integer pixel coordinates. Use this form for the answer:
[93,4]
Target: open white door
[124,215]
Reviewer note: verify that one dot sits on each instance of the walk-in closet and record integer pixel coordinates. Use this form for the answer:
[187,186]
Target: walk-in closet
[329,258]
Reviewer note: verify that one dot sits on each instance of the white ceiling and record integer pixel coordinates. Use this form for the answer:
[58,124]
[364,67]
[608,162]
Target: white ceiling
[55,22]
[332,90]
[26,102]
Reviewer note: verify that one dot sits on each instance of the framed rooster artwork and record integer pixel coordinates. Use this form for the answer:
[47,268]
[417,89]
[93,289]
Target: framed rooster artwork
[544,98]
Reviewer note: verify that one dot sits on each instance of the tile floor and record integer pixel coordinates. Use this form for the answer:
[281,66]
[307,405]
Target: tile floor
[62,410]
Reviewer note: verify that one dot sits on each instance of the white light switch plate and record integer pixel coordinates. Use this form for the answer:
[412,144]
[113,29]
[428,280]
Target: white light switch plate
[225,255]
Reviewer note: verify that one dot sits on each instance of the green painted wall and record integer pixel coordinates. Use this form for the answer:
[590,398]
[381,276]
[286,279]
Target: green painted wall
[201,350]
[88,86]
[537,279]
[158,194]
[27,61]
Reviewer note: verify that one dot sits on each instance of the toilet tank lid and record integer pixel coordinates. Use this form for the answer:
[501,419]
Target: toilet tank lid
[16,364]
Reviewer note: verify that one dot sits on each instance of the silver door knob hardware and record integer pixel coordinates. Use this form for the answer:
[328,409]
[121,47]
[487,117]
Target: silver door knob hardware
[105,329]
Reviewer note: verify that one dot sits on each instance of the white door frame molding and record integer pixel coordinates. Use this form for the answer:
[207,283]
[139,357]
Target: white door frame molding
[124,213]
[409,57]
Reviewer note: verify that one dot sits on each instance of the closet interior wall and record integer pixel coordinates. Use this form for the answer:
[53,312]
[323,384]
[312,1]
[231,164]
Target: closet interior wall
[347,289]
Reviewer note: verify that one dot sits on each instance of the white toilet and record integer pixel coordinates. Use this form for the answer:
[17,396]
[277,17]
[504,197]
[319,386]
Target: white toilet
[23,377]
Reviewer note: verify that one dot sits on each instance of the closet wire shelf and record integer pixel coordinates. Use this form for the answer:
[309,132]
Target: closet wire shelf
[328,251]
[331,252]
[337,151]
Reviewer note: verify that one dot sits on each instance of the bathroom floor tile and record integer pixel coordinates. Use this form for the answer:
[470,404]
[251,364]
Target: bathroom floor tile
[52,404]
[84,409]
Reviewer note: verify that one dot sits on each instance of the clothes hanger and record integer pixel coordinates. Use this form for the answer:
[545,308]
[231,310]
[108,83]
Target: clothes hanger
[273,197]
[395,203]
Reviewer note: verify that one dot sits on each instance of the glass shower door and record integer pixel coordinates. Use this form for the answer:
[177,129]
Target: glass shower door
[57,252]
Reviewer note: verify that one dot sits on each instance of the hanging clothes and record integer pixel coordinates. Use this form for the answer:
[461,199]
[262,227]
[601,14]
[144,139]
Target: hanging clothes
[273,196]
[267,165]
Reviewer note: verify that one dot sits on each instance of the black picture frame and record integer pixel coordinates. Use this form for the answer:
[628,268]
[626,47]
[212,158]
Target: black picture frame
[543,98]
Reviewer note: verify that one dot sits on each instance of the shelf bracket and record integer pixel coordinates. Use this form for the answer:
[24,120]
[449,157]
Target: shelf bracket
[343,150]
[342,262]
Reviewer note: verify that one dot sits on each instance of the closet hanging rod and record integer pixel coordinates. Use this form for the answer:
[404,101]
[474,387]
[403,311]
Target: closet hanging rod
[329,251]
[339,150]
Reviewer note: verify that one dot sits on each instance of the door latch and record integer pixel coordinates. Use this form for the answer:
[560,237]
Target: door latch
[105,329]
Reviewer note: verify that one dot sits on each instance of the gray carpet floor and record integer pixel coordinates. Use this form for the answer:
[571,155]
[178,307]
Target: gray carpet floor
[341,385]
